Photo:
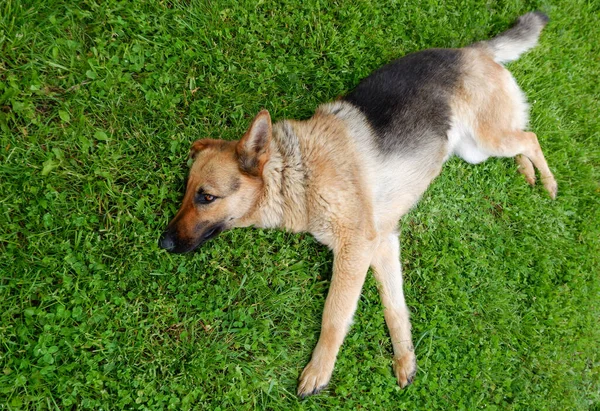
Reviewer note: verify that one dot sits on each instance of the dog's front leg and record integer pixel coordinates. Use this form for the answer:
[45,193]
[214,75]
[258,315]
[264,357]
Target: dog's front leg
[350,264]
[388,272]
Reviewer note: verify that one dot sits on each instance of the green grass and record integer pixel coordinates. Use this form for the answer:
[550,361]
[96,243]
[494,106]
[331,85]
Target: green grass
[99,102]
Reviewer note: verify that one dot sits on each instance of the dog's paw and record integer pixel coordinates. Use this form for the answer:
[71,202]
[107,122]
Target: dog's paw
[313,379]
[405,368]
[550,185]
[526,168]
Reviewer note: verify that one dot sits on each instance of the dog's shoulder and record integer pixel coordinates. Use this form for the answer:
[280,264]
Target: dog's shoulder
[321,167]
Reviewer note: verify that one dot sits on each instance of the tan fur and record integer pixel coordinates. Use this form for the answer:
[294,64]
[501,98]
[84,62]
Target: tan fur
[326,176]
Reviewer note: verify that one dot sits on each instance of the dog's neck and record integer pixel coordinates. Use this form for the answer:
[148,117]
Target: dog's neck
[283,203]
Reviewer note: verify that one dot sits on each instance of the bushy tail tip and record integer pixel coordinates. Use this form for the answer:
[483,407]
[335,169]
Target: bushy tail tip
[521,37]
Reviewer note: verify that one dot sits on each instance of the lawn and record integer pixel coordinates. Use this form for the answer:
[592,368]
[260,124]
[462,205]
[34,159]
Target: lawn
[99,103]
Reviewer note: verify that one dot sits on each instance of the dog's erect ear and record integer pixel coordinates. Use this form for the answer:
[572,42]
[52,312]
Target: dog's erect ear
[199,145]
[253,149]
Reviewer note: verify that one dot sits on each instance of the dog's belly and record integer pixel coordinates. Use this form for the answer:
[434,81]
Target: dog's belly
[399,182]
[468,151]
[461,142]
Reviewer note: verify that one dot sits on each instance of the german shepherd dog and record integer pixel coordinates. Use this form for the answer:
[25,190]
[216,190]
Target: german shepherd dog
[348,174]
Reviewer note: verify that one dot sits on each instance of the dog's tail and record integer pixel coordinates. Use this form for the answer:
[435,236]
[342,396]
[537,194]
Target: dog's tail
[521,37]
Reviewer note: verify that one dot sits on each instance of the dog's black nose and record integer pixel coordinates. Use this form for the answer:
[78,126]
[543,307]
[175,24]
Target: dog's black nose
[167,242]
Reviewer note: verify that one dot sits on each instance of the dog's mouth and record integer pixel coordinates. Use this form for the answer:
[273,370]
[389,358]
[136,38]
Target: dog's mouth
[211,233]
[172,244]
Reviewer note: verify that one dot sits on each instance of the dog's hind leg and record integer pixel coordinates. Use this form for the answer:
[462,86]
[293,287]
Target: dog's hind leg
[524,143]
[534,153]
[490,105]
[388,272]
[350,266]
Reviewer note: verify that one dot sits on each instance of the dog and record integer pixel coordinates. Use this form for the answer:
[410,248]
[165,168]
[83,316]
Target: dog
[348,174]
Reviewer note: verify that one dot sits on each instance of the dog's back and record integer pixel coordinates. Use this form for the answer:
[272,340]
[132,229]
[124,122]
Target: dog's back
[410,101]
[407,102]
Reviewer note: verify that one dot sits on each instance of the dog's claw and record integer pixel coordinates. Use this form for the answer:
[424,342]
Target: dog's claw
[313,392]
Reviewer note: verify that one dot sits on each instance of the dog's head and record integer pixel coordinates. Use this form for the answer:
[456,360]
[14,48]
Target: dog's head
[223,188]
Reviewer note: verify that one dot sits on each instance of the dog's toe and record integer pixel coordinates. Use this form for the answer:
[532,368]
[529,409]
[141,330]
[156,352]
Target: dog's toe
[405,368]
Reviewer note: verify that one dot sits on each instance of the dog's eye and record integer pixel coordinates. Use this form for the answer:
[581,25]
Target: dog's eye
[204,198]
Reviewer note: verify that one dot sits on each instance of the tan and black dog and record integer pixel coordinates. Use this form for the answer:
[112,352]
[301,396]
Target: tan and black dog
[350,172]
